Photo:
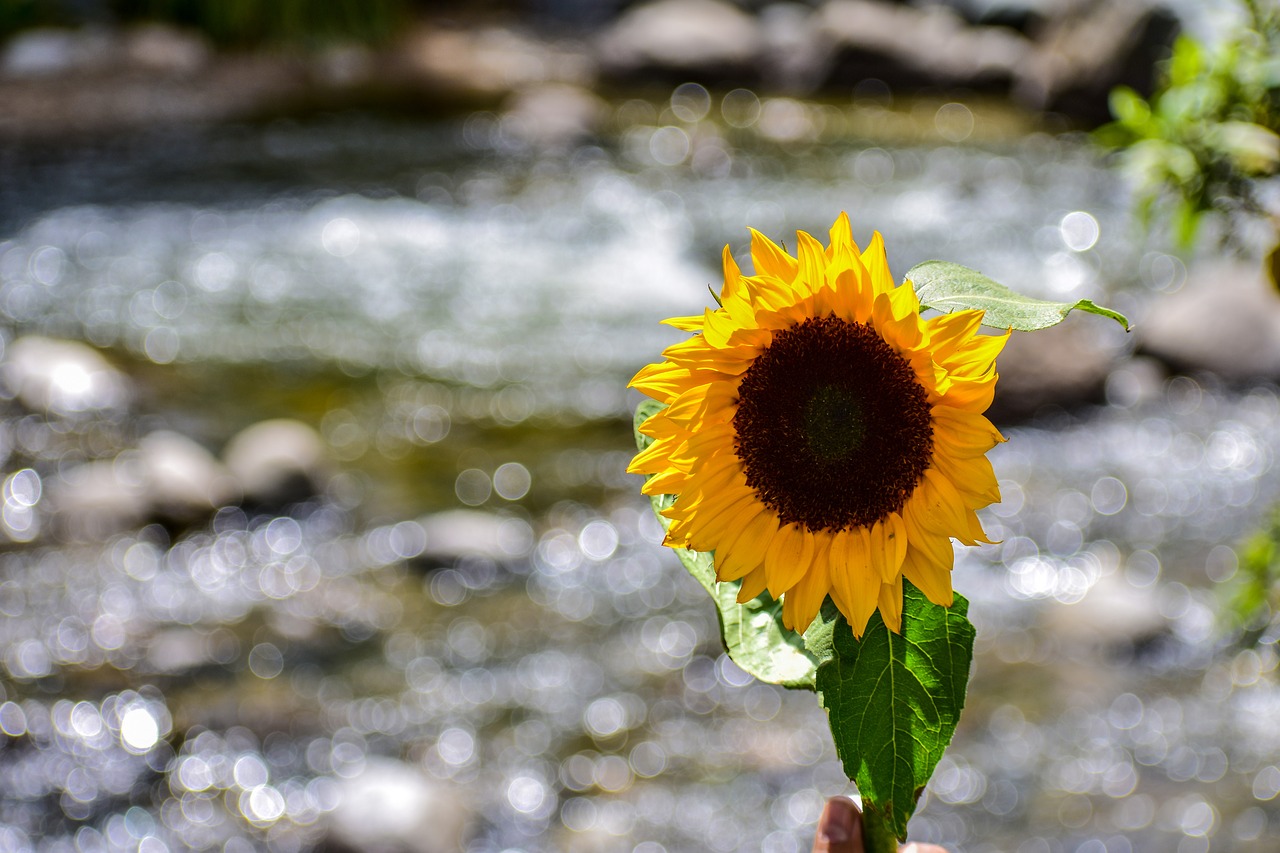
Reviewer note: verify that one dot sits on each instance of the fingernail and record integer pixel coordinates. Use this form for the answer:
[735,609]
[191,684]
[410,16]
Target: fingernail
[836,823]
[910,848]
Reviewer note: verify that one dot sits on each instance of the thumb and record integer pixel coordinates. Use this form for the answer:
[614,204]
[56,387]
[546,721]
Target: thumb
[839,828]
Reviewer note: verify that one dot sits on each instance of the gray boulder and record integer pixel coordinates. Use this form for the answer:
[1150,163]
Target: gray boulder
[63,377]
[1087,48]
[553,116]
[908,47]
[278,461]
[1225,319]
[92,501]
[678,38]
[183,480]
[1065,365]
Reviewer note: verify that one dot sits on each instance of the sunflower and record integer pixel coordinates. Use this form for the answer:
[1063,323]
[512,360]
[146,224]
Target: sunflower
[820,436]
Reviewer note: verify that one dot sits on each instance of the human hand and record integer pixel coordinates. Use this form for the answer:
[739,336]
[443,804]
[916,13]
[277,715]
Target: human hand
[840,831]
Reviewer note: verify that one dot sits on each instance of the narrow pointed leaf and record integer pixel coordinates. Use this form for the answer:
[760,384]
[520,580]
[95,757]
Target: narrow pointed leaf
[894,700]
[946,287]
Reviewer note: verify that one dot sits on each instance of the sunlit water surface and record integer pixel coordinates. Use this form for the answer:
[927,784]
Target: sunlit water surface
[472,628]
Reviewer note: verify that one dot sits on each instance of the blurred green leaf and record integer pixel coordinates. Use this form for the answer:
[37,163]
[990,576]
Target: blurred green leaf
[1211,130]
[1252,148]
[1130,108]
[1187,63]
[1251,599]
[947,287]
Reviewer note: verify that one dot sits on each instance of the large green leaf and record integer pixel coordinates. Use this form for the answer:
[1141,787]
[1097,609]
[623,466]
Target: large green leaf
[753,633]
[946,287]
[894,700]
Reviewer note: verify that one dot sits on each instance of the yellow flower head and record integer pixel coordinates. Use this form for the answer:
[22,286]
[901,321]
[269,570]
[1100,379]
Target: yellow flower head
[821,438]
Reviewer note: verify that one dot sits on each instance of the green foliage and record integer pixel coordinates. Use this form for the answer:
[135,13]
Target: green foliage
[240,23]
[1211,129]
[946,287]
[893,700]
[1253,596]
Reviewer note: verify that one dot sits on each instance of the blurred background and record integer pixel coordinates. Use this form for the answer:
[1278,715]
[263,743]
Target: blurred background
[316,321]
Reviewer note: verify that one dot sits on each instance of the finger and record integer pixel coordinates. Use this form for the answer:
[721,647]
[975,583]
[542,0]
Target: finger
[923,848]
[839,828]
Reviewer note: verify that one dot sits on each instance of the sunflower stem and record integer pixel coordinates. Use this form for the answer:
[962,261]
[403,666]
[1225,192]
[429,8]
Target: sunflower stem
[877,837]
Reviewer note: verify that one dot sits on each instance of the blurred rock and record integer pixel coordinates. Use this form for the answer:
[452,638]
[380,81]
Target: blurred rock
[391,806]
[161,49]
[277,462]
[1065,365]
[177,650]
[97,499]
[346,66]
[1113,614]
[490,61]
[50,52]
[1136,380]
[553,115]
[183,480]
[1225,319]
[472,533]
[678,38]
[63,377]
[1089,47]
[122,96]
[795,58]
[909,47]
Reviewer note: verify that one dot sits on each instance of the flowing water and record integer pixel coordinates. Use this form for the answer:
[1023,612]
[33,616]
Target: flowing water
[471,631]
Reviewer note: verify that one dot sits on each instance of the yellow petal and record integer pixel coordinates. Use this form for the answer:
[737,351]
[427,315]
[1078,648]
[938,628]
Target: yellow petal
[976,531]
[931,579]
[973,397]
[770,259]
[812,257]
[857,580]
[745,553]
[732,276]
[669,482]
[948,331]
[891,605]
[787,558]
[964,428]
[933,545]
[877,264]
[939,505]
[752,585]
[888,544]
[974,477]
[685,324]
[712,528]
[841,236]
[803,601]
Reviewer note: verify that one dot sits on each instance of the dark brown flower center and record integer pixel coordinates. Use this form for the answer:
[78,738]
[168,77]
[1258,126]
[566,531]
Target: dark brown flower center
[832,427]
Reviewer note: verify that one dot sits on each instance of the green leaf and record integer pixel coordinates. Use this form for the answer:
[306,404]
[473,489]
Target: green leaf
[1130,109]
[894,700]
[753,633]
[946,287]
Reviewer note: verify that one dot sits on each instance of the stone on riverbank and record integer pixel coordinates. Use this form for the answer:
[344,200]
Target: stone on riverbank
[1225,319]
[60,377]
[278,461]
